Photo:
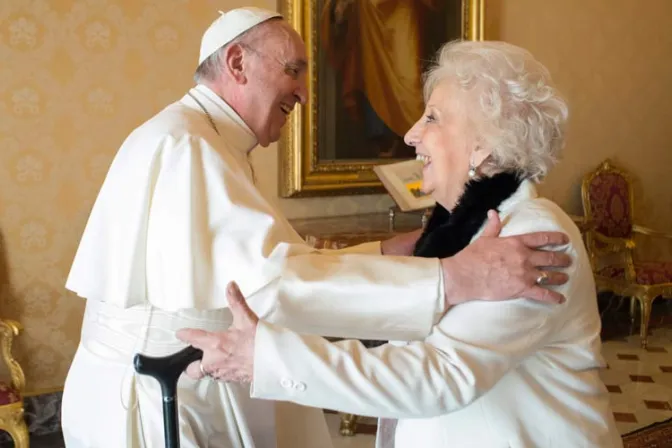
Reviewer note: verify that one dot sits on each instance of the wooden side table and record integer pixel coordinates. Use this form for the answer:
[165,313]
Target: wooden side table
[343,231]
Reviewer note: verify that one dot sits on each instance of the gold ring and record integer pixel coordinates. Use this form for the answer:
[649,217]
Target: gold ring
[543,277]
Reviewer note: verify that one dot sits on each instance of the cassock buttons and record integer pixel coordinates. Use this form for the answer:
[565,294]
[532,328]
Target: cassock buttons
[296,385]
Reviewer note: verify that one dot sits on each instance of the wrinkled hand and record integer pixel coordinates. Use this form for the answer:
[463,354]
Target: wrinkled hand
[494,268]
[402,244]
[228,355]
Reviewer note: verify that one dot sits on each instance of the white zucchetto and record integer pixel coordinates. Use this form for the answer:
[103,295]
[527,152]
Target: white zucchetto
[230,25]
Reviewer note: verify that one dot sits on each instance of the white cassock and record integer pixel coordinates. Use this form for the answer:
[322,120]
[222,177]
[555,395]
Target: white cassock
[177,218]
[516,373]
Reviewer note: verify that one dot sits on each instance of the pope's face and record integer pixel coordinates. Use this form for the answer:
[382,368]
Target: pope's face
[276,80]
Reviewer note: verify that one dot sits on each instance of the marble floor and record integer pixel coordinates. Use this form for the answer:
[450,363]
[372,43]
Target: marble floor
[639,380]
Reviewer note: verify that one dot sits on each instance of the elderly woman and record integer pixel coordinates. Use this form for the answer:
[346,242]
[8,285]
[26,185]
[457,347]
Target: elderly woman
[491,374]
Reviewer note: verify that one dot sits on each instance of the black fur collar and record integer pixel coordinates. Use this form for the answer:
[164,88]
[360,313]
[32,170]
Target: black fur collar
[447,233]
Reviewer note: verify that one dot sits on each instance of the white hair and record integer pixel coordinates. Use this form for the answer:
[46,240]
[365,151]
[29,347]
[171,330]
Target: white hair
[520,116]
[211,67]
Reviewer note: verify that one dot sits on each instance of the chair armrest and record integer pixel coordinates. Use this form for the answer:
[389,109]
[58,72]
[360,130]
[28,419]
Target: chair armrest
[8,330]
[613,244]
[650,232]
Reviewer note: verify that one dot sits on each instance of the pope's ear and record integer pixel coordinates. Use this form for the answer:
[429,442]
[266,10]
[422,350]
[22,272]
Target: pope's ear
[233,63]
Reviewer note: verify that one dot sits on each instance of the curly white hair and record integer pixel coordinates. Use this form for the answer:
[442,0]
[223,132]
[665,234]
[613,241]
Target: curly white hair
[519,114]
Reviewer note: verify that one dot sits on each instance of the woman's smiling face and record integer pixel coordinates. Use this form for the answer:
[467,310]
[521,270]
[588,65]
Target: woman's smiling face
[444,141]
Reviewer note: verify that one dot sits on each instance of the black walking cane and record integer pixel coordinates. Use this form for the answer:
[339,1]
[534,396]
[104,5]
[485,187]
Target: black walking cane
[167,370]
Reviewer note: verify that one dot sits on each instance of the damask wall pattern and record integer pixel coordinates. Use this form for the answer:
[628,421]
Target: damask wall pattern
[76,76]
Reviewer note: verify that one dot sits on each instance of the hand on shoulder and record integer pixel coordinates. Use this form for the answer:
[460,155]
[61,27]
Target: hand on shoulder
[501,268]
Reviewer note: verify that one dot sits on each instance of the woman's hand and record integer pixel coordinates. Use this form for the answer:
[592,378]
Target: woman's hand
[227,355]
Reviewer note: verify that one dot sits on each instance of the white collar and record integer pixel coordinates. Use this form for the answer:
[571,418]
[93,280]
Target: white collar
[526,190]
[229,124]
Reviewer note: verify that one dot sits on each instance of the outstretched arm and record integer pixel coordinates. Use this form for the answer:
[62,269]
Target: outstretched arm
[210,225]
[471,349]
[453,367]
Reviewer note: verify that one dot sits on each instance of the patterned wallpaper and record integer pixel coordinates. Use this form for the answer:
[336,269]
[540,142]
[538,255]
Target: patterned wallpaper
[77,75]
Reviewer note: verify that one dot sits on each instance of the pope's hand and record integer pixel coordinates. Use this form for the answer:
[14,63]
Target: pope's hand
[228,355]
[500,268]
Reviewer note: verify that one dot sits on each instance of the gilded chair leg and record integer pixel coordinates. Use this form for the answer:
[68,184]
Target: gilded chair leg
[348,425]
[13,422]
[19,434]
[633,309]
[646,302]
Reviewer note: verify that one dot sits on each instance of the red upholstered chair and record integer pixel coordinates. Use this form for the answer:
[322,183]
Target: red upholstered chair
[11,400]
[608,207]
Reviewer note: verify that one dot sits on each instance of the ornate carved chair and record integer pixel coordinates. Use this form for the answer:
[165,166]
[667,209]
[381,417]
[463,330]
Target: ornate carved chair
[608,207]
[11,400]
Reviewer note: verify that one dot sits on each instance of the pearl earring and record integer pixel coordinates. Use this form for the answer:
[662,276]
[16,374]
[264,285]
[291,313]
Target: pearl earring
[472,170]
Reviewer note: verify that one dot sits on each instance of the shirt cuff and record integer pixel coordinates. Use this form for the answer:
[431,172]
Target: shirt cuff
[270,378]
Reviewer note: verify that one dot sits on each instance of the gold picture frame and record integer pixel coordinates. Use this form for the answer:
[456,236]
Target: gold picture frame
[302,171]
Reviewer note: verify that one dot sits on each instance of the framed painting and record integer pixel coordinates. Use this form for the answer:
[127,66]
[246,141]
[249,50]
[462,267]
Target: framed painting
[365,65]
